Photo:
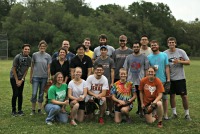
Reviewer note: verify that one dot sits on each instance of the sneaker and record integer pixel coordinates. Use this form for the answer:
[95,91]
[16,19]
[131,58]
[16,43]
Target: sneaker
[20,113]
[166,118]
[160,125]
[187,117]
[49,123]
[40,112]
[33,112]
[129,120]
[174,116]
[14,114]
[101,121]
[73,123]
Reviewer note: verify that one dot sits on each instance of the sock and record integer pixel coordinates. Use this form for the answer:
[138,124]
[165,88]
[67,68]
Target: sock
[187,112]
[174,110]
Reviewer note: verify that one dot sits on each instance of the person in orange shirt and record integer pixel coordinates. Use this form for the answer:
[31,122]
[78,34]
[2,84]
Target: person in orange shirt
[151,90]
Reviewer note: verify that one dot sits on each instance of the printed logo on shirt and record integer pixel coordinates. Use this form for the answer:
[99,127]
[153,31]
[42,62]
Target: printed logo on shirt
[150,88]
[96,87]
[121,55]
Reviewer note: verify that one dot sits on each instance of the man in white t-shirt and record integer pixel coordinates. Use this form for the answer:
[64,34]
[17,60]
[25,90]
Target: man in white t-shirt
[97,86]
[144,45]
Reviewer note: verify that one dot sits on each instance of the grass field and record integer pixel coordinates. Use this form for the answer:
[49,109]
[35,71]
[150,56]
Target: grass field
[36,124]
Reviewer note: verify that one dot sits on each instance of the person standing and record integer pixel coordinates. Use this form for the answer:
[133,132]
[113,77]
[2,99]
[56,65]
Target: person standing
[69,55]
[83,61]
[56,101]
[151,90]
[39,75]
[123,93]
[177,58]
[97,87]
[120,55]
[87,44]
[103,42]
[144,45]
[109,72]
[21,64]
[77,91]
[159,60]
[60,64]
[136,65]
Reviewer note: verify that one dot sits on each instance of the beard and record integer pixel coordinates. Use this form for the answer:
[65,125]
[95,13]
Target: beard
[137,52]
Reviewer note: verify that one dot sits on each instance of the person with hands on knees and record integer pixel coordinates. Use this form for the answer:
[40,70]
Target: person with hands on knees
[77,91]
[123,94]
[151,91]
[57,101]
[97,87]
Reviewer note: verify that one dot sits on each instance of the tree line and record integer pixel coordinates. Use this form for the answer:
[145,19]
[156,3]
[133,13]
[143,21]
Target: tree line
[33,20]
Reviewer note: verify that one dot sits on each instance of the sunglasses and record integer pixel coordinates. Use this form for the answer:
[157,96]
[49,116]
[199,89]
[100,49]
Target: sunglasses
[122,40]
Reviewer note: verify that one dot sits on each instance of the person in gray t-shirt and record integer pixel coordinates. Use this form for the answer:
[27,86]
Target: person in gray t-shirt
[109,68]
[40,73]
[103,41]
[136,65]
[21,64]
[177,58]
[120,55]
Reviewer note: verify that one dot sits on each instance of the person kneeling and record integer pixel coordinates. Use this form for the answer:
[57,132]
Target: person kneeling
[123,93]
[56,101]
[77,92]
[151,90]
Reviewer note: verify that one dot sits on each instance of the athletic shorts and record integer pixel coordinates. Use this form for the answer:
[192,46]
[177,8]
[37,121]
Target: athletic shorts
[81,104]
[178,87]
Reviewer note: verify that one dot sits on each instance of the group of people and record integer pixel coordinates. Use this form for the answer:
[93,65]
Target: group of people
[106,79]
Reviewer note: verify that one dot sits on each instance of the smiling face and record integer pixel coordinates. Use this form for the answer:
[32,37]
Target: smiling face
[65,44]
[59,79]
[171,44]
[26,51]
[144,41]
[154,47]
[99,71]
[122,74]
[136,48]
[151,72]
[42,47]
[77,72]
[81,51]
[62,54]
[87,44]
[103,51]
[102,41]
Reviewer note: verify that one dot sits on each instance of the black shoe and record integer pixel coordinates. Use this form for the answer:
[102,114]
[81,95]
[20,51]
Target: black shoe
[14,114]
[20,113]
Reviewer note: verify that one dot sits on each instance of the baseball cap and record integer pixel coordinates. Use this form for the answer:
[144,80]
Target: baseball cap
[103,47]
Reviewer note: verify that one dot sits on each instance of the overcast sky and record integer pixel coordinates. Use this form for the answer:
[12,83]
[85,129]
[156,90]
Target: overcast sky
[187,10]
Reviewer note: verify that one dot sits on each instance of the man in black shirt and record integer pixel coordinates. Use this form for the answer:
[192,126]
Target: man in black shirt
[83,61]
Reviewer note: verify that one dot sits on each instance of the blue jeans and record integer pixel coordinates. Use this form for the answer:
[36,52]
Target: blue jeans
[38,82]
[54,113]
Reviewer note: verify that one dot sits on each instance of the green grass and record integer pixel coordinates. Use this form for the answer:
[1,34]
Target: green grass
[36,124]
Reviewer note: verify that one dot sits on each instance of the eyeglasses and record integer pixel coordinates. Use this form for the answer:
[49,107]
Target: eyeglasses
[122,40]
[171,42]
[65,44]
